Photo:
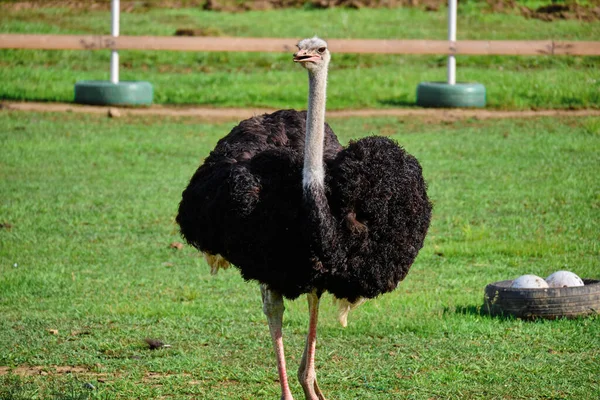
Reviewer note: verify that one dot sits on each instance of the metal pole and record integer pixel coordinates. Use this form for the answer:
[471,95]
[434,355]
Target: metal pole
[452,39]
[114,56]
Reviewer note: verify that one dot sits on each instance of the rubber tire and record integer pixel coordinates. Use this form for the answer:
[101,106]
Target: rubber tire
[550,303]
[107,93]
[441,94]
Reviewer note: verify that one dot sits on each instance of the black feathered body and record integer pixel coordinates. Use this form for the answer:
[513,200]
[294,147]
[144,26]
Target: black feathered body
[356,238]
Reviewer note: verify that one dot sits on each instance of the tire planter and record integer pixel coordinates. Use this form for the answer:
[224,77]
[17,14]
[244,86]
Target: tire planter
[441,94]
[549,303]
[108,93]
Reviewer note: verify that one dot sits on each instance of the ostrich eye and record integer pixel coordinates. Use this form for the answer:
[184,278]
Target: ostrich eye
[322,49]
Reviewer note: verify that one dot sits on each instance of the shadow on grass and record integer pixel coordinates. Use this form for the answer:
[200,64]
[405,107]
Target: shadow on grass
[397,103]
[482,312]
[24,99]
[479,311]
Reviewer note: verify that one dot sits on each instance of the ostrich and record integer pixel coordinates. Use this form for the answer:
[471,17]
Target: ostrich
[284,202]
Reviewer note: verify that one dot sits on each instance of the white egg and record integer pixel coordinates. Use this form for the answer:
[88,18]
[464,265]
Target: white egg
[529,282]
[563,279]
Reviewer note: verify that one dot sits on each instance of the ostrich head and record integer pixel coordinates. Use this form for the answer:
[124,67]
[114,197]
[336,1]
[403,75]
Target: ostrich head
[312,54]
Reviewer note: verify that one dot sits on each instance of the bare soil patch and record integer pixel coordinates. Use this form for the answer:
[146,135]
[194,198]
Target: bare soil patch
[152,378]
[555,12]
[552,11]
[126,5]
[198,32]
[221,5]
[233,5]
[31,370]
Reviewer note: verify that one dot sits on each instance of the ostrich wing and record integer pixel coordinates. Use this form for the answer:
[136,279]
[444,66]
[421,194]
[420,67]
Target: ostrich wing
[379,197]
[245,202]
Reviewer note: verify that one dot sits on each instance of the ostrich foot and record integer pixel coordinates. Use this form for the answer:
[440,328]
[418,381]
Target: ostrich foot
[308,381]
[306,373]
[318,391]
[273,308]
[311,389]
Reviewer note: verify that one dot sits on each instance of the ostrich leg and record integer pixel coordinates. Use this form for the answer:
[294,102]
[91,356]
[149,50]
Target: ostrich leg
[273,308]
[306,373]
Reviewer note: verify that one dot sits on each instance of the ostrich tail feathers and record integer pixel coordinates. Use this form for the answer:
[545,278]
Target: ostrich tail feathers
[344,307]
[215,262]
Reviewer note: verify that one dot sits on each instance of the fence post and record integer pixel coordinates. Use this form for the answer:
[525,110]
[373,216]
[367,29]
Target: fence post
[452,40]
[114,92]
[450,93]
[114,56]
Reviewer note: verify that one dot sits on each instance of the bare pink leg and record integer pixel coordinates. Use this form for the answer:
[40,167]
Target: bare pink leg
[306,374]
[273,308]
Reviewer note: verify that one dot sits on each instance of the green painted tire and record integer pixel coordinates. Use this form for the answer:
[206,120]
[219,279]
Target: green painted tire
[441,94]
[108,93]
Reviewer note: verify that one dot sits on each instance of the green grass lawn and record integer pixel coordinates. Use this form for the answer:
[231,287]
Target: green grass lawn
[270,80]
[87,208]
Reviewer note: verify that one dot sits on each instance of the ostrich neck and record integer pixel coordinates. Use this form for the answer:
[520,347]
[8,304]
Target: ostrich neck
[322,235]
[314,173]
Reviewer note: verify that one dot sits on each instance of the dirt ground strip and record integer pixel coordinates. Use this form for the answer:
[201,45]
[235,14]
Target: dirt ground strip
[209,114]
[148,377]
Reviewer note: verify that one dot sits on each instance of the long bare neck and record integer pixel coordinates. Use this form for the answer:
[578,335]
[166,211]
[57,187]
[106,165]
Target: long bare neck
[322,234]
[314,174]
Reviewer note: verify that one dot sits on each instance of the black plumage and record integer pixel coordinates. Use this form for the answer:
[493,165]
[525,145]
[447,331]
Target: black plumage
[358,238]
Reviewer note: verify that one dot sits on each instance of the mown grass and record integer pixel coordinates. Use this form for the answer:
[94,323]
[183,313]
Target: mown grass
[245,79]
[87,207]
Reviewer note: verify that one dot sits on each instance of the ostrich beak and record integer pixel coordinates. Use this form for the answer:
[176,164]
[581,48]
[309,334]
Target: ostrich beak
[303,56]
